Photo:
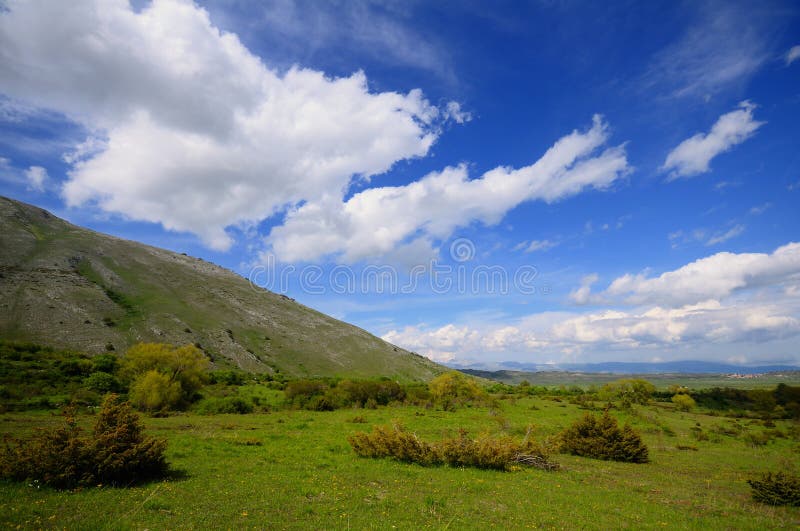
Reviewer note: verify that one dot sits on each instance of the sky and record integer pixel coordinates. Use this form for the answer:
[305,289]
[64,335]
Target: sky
[479,182]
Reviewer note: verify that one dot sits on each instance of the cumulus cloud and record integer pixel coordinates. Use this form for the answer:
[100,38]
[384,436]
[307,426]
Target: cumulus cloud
[712,304]
[187,127]
[714,277]
[37,178]
[373,222]
[693,156]
[792,55]
[536,339]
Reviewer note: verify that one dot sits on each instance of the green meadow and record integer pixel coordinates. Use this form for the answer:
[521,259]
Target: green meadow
[292,469]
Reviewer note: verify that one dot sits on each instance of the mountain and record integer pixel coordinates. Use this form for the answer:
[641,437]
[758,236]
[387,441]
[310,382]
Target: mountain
[69,287]
[613,367]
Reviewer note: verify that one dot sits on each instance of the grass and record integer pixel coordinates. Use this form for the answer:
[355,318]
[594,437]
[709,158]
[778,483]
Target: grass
[295,469]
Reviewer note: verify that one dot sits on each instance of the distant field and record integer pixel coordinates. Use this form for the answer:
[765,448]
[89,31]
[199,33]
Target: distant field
[295,469]
[661,381]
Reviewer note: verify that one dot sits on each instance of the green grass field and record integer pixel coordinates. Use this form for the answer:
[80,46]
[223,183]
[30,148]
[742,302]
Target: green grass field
[295,469]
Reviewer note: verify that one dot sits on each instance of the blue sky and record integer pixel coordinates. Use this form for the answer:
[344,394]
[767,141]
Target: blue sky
[588,181]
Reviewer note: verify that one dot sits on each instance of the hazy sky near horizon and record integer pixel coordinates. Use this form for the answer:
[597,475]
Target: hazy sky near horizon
[543,182]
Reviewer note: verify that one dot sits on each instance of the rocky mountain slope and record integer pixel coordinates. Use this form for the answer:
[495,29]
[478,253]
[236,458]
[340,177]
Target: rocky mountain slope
[70,287]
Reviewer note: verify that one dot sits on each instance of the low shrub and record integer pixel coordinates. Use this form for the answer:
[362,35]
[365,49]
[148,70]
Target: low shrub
[117,452]
[778,488]
[101,382]
[602,438]
[503,453]
[228,404]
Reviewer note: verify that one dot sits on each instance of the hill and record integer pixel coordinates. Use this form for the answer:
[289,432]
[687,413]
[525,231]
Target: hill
[69,287]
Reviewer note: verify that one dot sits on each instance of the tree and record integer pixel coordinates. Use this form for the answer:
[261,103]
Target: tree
[628,391]
[454,388]
[683,402]
[163,376]
[153,391]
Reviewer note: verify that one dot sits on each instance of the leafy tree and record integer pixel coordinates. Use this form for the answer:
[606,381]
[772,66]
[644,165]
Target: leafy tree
[154,391]
[683,402]
[453,389]
[164,376]
[102,382]
[628,391]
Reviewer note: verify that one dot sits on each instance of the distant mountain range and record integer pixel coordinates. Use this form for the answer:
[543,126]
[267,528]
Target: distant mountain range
[681,367]
[68,287]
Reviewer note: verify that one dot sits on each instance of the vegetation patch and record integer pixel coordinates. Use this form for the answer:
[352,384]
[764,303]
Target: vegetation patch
[117,452]
[777,488]
[602,438]
[500,453]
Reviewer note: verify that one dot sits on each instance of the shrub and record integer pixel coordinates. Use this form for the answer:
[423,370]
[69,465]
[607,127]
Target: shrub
[154,391]
[102,382]
[602,438]
[230,404]
[756,439]
[683,402]
[502,453]
[453,389]
[776,489]
[164,376]
[628,391]
[105,363]
[117,452]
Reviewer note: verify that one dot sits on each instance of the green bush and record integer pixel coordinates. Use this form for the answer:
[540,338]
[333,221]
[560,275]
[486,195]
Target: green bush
[228,404]
[116,453]
[776,489]
[154,391]
[163,376]
[602,438]
[503,453]
[105,363]
[454,389]
[102,382]
[683,402]
[628,391]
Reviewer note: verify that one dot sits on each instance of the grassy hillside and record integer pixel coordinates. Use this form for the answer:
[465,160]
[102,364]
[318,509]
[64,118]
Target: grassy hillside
[68,287]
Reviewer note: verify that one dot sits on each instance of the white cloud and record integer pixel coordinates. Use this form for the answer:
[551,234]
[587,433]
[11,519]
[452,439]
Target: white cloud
[760,209]
[385,30]
[581,294]
[723,47]
[729,234]
[714,277]
[188,128]
[792,55]
[540,245]
[375,221]
[546,337]
[36,177]
[693,155]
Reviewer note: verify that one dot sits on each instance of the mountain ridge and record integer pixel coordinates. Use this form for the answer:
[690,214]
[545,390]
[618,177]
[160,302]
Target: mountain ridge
[69,287]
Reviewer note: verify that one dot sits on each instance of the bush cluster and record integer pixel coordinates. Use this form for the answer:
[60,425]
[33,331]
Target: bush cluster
[778,488]
[455,389]
[326,395]
[228,404]
[117,452]
[162,376]
[602,438]
[502,453]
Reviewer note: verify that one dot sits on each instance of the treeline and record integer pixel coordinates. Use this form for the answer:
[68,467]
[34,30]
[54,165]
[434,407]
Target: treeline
[158,378]
[781,402]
